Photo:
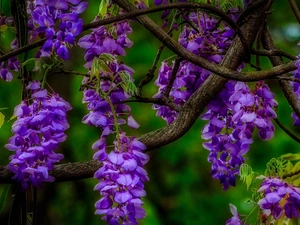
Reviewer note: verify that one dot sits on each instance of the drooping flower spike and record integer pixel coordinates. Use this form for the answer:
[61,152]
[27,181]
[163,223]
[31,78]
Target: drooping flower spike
[38,130]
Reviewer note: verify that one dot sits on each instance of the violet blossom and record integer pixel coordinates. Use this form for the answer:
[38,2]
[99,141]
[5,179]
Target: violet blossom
[38,130]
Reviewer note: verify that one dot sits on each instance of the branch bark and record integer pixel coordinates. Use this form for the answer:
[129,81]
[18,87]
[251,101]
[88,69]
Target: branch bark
[295,9]
[211,87]
[285,85]
[192,108]
[178,49]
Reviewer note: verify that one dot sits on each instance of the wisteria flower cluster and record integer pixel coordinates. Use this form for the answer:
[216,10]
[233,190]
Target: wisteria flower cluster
[5,68]
[296,89]
[232,117]
[209,41]
[38,130]
[279,199]
[102,40]
[233,114]
[12,63]
[121,181]
[45,17]
[122,175]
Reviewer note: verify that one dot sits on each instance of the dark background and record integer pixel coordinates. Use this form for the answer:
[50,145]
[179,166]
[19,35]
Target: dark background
[181,190]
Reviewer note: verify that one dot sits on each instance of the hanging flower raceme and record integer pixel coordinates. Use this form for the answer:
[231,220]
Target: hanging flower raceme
[38,130]
[296,88]
[279,199]
[110,83]
[45,17]
[232,117]
[210,42]
[12,63]
[104,40]
[121,182]
[121,176]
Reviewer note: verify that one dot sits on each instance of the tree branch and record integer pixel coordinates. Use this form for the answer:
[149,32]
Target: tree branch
[199,61]
[287,131]
[295,9]
[195,104]
[285,85]
[178,49]
[62,172]
[183,5]
[274,52]
[210,88]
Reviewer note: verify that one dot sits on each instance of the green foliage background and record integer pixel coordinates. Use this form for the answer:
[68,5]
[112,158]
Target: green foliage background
[180,191]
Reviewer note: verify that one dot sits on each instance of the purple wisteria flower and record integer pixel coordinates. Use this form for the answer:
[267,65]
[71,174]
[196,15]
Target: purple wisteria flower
[102,40]
[210,42]
[121,179]
[101,114]
[122,175]
[233,113]
[235,219]
[12,64]
[46,15]
[38,130]
[232,116]
[279,199]
[296,88]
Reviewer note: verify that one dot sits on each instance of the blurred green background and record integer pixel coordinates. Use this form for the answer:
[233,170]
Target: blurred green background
[181,190]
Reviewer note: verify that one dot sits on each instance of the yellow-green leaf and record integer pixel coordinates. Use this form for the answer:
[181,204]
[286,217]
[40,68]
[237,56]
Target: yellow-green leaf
[289,167]
[3,28]
[291,156]
[246,174]
[296,167]
[103,8]
[2,117]
[12,117]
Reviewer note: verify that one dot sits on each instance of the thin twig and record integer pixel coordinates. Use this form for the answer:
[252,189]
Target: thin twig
[178,49]
[275,52]
[293,79]
[254,66]
[177,62]
[160,101]
[181,5]
[291,174]
[287,131]
[149,76]
[70,72]
[204,63]
[295,9]
[287,89]
[191,109]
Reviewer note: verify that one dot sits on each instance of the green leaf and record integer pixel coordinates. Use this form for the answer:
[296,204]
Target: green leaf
[146,3]
[104,67]
[246,174]
[107,57]
[2,117]
[12,117]
[295,180]
[276,167]
[102,8]
[127,84]
[3,28]
[291,156]
[30,61]
[289,167]
[3,195]
[95,70]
